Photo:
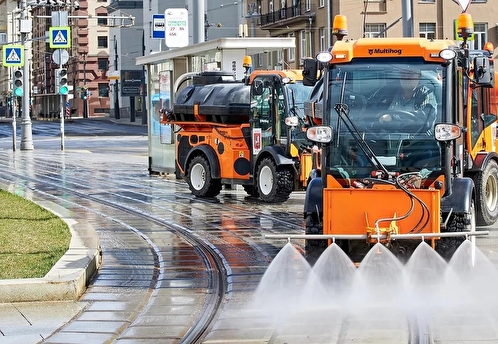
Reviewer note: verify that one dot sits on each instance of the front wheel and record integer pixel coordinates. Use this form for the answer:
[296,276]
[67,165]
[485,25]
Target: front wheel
[314,248]
[486,183]
[274,184]
[199,178]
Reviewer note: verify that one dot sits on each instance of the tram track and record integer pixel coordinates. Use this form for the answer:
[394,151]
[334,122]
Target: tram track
[213,259]
[60,187]
[214,262]
[226,233]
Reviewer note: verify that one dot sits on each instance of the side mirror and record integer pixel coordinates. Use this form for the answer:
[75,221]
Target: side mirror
[257,88]
[483,73]
[310,72]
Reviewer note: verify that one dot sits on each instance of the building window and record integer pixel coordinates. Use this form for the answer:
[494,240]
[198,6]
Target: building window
[308,5]
[101,21]
[427,1]
[375,6]
[102,42]
[481,1]
[375,30]
[321,32]
[321,3]
[103,90]
[291,52]
[260,60]
[480,36]
[302,45]
[427,30]
[103,63]
[101,0]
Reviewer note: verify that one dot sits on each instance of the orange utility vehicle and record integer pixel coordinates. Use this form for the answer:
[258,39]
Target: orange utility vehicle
[393,169]
[243,132]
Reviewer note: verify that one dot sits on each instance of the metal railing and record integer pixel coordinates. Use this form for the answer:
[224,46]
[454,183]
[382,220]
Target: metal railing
[287,13]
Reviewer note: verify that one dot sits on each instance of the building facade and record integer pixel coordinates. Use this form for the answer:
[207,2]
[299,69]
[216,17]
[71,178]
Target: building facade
[86,61]
[309,21]
[101,45]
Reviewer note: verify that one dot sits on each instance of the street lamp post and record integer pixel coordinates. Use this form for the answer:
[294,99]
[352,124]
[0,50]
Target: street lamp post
[85,91]
[26,130]
[117,115]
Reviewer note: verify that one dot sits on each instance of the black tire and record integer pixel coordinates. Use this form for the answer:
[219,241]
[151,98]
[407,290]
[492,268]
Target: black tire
[274,184]
[446,247]
[251,190]
[486,184]
[199,179]
[314,248]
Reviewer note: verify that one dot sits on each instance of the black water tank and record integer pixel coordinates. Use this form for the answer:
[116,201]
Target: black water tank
[227,103]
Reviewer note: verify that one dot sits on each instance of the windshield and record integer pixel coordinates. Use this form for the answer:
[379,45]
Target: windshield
[390,106]
[300,94]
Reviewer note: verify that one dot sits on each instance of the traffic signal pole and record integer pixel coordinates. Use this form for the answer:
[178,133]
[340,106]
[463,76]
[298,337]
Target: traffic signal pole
[26,129]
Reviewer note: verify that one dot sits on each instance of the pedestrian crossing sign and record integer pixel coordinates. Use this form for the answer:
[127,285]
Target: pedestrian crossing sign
[13,55]
[59,37]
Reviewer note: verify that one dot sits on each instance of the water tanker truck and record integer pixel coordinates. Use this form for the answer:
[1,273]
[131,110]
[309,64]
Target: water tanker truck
[245,133]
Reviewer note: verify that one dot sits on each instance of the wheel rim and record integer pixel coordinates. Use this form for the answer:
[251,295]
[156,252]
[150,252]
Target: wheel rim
[491,193]
[265,180]
[197,177]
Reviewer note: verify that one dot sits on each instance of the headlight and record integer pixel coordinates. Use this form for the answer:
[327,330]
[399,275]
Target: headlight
[322,134]
[291,121]
[324,57]
[447,54]
[447,132]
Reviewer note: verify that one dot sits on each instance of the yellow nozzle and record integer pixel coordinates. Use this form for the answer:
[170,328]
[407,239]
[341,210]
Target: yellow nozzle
[247,61]
[465,25]
[340,26]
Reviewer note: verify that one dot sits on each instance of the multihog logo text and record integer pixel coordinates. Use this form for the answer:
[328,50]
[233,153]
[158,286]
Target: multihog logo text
[385,51]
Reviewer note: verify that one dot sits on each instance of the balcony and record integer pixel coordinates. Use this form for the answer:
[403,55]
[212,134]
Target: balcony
[287,16]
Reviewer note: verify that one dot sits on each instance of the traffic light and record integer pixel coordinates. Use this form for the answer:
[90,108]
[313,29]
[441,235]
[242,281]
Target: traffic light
[18,88]
[61,81]
[84,94]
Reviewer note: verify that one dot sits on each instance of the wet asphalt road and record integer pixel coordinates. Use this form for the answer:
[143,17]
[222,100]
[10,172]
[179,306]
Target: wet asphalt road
[164,250]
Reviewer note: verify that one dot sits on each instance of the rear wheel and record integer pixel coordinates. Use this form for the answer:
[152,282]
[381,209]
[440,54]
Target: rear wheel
[486,183]
[274,184]
[199,179]
[446,247]
[314,248]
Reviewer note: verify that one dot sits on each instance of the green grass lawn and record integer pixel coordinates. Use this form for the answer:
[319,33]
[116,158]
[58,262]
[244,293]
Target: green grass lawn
[32,239]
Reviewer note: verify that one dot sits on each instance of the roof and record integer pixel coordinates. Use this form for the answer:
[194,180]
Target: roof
[252,45]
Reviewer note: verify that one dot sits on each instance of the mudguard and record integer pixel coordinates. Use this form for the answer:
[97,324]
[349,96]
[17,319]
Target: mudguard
[314,197]
[211,157]
[460,199]
[481,160]
[279,155]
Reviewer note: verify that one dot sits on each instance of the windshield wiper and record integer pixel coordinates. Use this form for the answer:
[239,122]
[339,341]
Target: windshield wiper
[343,116]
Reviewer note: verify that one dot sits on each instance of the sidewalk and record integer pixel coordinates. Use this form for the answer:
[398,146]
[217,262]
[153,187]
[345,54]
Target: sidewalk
[32,309]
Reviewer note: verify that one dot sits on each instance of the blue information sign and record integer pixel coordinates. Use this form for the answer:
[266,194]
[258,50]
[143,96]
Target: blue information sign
[158,26]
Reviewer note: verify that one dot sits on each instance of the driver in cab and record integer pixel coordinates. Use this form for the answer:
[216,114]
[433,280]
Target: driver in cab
[404,94]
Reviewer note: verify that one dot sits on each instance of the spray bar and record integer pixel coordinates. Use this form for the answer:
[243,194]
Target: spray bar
[373,236]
